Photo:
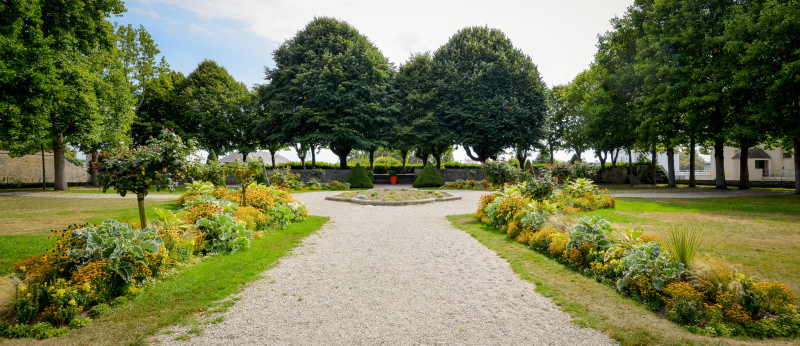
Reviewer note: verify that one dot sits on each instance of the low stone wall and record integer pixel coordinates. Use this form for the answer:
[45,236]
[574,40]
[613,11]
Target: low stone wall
[453,174]
[28,170]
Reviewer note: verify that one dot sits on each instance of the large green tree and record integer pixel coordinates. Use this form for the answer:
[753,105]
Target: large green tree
[49,72]
[329,85]
[489,93]
[419,127]
[214,100]
[161,109]
[765,36]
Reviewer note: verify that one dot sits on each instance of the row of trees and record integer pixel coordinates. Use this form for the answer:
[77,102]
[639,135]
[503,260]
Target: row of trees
[331,87]
[687,73]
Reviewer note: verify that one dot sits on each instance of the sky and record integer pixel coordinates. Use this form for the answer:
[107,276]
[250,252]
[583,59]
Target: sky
[559,36]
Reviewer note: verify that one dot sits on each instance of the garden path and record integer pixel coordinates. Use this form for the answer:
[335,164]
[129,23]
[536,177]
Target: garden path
[400,275]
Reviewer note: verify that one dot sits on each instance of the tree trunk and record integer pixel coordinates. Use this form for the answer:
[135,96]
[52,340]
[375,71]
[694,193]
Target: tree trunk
[372,160]
[44,172]
[671,167]
[438,161]
[301,154]
[59,163]
[654,166]
[342,154]
[95,160]
[552,149]
[272,157]
[140,201]
[744,170]
[692,155]
[404,156]
[577,153]
[797,166]
[630,166]
[614,156]
[719,157]
[313,157]
[244,157]
[602,156]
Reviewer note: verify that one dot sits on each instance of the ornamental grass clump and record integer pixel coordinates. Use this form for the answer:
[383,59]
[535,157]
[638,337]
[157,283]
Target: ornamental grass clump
[683,244]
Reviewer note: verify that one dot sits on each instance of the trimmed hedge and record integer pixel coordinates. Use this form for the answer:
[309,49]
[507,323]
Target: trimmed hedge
[380,169]
[359,178]
[429,177]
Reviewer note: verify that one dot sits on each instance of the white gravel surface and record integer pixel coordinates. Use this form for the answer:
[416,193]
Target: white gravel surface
[395,275]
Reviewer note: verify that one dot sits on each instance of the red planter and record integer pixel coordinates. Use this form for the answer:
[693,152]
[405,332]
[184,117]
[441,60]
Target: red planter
[393,180]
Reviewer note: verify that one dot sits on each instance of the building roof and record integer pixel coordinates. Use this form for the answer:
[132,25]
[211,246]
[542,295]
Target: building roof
[261,154]
[751,154]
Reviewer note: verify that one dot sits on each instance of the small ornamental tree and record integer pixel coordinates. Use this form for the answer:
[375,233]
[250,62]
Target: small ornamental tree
[160,164]
[246,173]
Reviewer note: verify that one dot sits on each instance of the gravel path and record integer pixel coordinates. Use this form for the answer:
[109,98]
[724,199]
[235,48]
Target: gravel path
[399,275]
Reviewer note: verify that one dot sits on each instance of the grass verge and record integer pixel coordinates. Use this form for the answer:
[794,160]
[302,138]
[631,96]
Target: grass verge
[175,299]
[590,303]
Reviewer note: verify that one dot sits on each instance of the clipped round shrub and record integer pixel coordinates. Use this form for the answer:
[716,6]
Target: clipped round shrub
[429,177]
[359,178]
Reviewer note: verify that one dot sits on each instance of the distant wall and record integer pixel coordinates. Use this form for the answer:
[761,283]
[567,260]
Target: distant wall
[453,174]
[28,170]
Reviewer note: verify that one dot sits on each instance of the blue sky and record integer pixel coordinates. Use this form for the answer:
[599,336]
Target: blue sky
[560,36]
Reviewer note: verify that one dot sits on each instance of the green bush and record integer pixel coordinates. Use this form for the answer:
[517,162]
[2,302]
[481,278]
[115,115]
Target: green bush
[429,177]
[99,310]
[359,178]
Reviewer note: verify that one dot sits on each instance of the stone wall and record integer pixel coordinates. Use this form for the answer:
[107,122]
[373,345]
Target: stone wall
[28,170]
[453,174]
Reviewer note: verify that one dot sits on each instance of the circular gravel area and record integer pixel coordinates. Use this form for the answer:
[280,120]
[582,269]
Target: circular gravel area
[396,275]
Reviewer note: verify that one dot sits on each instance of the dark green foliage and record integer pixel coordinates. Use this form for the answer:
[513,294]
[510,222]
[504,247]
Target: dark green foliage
[429,177]
[359,178]
[212,156]
[329,85]
[489,94]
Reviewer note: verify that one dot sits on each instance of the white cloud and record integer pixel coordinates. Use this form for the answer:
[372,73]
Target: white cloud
[560,36]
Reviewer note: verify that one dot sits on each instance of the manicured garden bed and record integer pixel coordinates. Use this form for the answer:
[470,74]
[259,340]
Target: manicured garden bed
[390,197]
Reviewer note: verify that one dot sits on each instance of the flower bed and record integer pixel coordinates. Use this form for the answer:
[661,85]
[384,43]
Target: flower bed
[704,295]
[393,197]
[92,266]
[471,184]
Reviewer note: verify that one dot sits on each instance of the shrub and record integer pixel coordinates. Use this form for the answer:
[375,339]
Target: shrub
[538,188]
[534,219]
[116,242]
[649,261]
[776,297]
[283,178]
[253,218]
[359,178]
[79,322]
[61,302]
[429,177]
[500,173]
[99,310]
[557,243]
[592,231]
[338,185]
[541,240]
[684,303]
[223,234]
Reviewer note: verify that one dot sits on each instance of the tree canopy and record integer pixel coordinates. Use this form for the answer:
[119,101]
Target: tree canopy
[329,85]
[489,93]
